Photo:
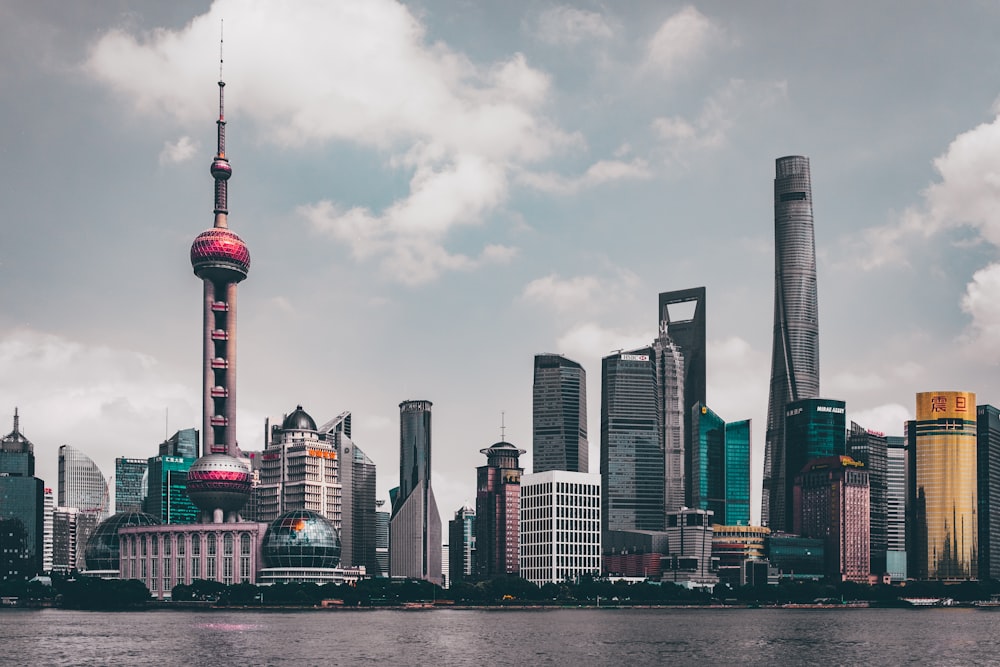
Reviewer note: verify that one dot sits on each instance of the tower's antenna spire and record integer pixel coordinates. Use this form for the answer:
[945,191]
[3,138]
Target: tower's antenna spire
[16,424]
[221,30]
[502,428]
[221,170]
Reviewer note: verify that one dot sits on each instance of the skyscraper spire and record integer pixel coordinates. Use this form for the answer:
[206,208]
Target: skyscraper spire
[221,170]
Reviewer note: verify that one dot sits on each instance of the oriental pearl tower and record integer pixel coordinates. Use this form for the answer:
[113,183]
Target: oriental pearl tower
[219,483]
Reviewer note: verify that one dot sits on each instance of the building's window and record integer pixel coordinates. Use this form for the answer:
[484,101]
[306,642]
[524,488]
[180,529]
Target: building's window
[195,568]
[227,544]
[210,568]
[245,544]
[227,571]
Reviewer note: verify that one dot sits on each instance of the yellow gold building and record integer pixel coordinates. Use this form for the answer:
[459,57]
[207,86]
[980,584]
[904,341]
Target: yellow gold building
[944,493]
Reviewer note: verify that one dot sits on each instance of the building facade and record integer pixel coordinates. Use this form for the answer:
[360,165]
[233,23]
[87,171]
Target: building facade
[415,524]
[671,420]
[22,508]
[164,556]
[943,492]
[815,428]
[498,511]
[988,489]
[462,545]
[720,466]
[795,352]
[357,495]
[872,449]
[559,415]
[167,497]
[682,318]
[689,540]
[130,484]
[83,486]
[299,470]
[632,459]
[895,502]
[832,504]
[560,526]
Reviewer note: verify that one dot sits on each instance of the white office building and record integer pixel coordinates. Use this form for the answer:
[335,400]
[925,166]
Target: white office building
[560,526]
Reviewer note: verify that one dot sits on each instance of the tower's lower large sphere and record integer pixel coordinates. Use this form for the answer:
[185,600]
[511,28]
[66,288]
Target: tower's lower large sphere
[219,482]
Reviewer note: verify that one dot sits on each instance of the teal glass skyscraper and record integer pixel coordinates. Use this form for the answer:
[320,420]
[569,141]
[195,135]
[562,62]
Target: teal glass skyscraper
[720,467]
[795,353]
[814,428]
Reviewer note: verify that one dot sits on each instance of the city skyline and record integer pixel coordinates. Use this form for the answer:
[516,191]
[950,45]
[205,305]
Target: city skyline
[563,165]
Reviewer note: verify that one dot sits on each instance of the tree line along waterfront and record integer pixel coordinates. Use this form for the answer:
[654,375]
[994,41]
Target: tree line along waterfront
[80,592]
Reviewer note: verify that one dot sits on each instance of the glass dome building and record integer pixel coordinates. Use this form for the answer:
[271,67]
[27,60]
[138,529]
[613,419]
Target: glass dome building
[301,539]
[103,546]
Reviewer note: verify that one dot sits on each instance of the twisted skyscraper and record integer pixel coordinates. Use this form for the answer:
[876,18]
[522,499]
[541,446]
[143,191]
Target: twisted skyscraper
[795,355]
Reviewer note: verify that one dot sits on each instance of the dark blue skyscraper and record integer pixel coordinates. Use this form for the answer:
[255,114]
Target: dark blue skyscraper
[21,508]
[682,319]
[988,492]
[415,525]
[559,415]
[632,457]
[795,354]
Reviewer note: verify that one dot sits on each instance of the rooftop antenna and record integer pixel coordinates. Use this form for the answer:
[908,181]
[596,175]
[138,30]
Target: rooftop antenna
[502,427]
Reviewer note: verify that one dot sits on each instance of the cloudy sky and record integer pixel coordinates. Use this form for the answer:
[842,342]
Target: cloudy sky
[434,191]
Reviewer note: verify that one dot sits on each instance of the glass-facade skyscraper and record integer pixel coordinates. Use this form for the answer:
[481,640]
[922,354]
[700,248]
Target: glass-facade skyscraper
[943,492]
[462,545]
[130,484]
[895,501]
[720,467]
[814,428]
[871,449]
[415,524]
[559,415]
[671,420]
[795,353]
[988,467]
[682,318]
[632,460]
[21,508]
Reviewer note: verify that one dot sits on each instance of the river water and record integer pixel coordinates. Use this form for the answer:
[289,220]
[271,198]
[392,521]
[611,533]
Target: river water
[446,637]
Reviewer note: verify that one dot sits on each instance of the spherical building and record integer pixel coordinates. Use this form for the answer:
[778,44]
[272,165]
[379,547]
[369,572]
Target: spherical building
[103,546]
[219,484]
[301,538]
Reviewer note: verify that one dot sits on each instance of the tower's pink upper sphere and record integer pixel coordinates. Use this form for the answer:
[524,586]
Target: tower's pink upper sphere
[219,250]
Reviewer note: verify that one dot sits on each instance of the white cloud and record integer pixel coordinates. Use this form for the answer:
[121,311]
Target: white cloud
[888,418]
[733,366]
[680,41]
[372,79]
[178,151]
[966,195]
[848,382]
[982,303]
[580,294]
[599,173]
[103,401]
[589,342]
[721,112]
[565,25]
